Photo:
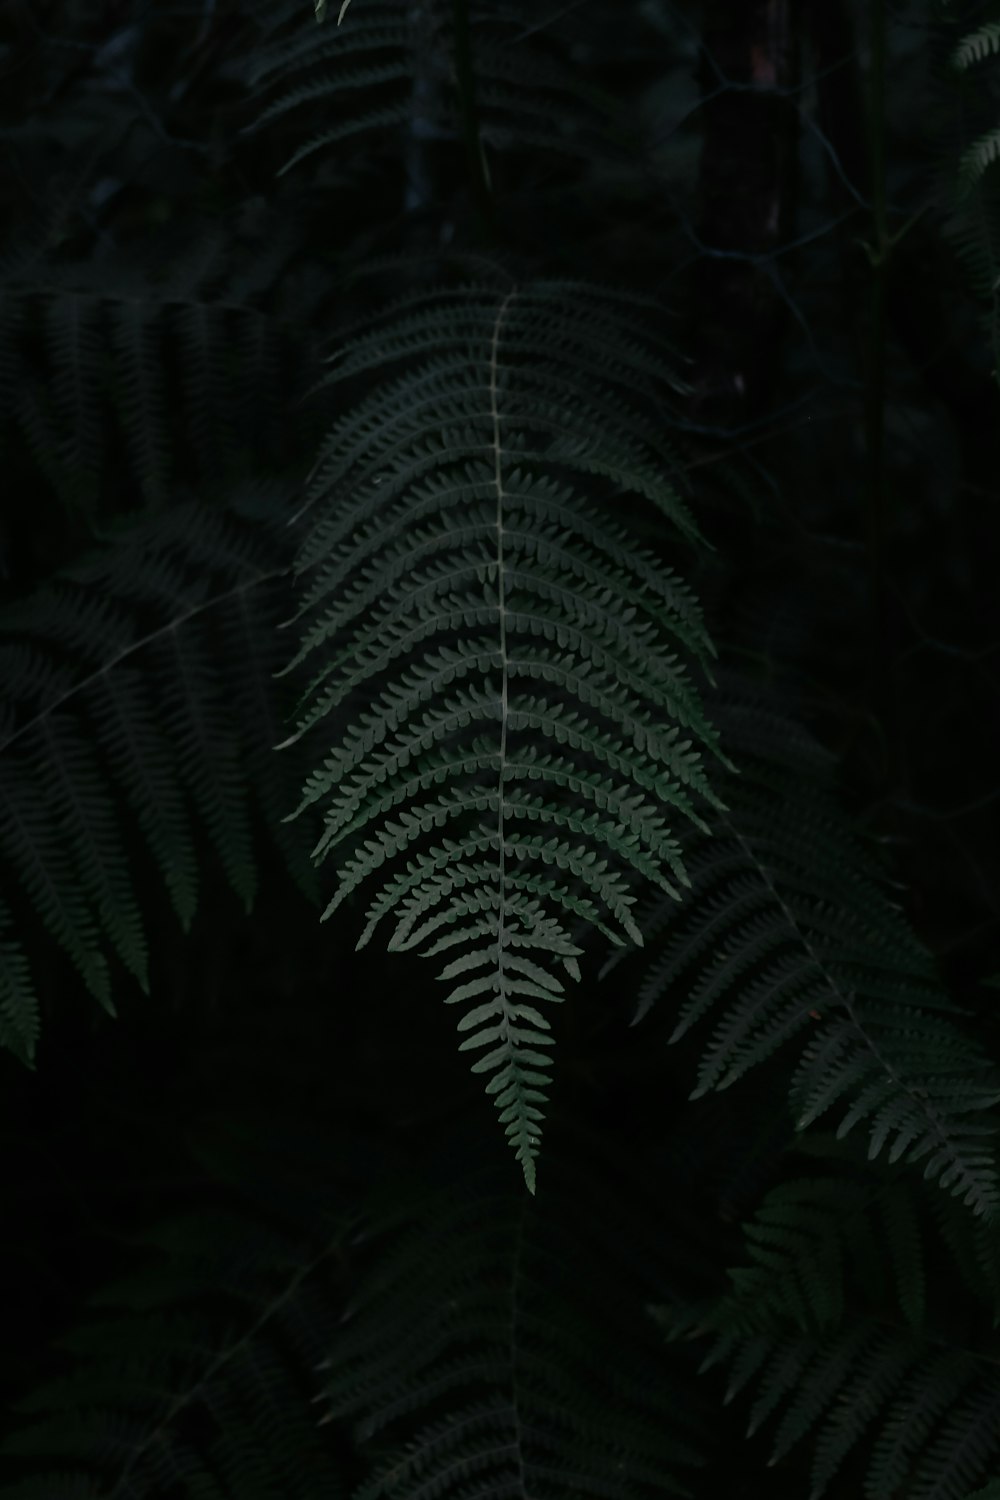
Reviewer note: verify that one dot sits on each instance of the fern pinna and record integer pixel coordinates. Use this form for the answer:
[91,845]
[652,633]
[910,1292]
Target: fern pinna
[500,652]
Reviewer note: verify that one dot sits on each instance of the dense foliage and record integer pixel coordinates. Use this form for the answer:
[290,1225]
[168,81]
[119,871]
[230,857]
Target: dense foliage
[513,485]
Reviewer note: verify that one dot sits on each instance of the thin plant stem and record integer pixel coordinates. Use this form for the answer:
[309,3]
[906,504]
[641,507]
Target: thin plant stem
[465,82]
[876,497]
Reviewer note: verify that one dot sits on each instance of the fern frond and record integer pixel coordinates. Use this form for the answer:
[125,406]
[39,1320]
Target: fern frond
[978,157]
[468,576]
[192,1376]
[97,357]
[787,935]
[974,225]
[977,46]
[809,1237]
[390,68]
[924,1412]
[497,1346]
[137,694]
[19,1020]
[832,1324]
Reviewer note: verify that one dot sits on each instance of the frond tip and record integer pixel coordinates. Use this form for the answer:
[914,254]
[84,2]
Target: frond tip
[521,759]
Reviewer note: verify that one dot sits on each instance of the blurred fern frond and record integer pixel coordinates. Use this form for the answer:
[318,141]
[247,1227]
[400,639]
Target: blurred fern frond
[788,936]
[193,1375]
[389,74]
[138,694]
[497,1346]
[833,1326]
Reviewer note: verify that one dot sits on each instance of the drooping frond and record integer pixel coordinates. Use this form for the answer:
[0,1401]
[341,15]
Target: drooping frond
[498,1347]
[193,1376]
[138,705]
[509,735]
[788,936]
[388,73]
[974,226]
[833,1327]
[810,1236]
[99,360]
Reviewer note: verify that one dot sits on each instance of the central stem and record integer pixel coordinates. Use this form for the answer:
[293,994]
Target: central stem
[502,613]
[468,108]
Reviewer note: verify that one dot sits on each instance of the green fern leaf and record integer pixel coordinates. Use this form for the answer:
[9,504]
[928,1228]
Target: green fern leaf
[974,225]
[810,1323]
[98,358]
[169,1391]
[978,157]
[977,45]
[496,1346]
[137,690]
[520,760]
[359,81]
[788,936]
[810,1238]
[19,1019]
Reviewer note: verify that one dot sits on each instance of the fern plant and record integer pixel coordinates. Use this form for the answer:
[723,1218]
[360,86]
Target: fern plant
[830,1323]
[490,1341]
[975,223]
[506,654]
[138,696]
[430,1331]
[392,70]
[99,357]
[509,760]
[789,936]
[170,1389]
[976,47]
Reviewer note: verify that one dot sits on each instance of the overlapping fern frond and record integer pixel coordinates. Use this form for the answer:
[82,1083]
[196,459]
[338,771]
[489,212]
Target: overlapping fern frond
[97,360]
[518,739]
[834,1327]
[788,936]
[497,1347]
[193,1376]
[388,72]
[975,224]
[137,706]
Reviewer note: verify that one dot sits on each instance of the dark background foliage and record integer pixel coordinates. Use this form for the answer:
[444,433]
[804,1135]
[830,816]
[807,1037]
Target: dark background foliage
[783,177]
